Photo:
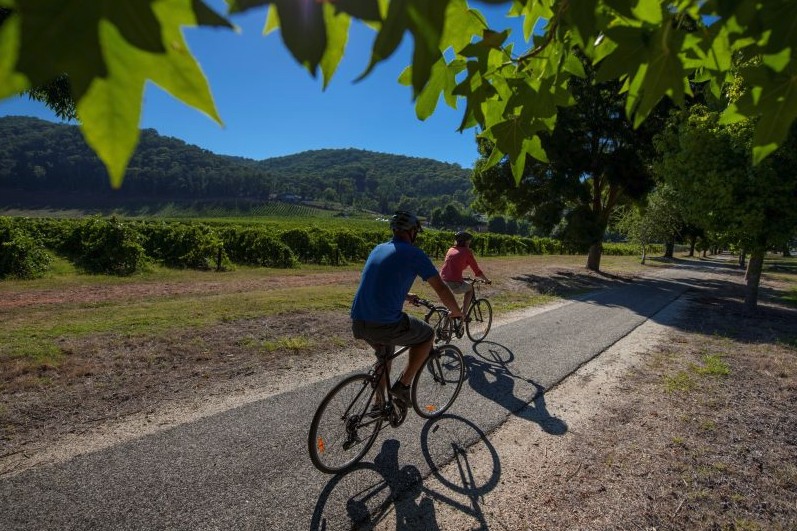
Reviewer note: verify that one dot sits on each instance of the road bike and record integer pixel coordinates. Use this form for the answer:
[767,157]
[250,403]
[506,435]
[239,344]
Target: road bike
[352,414]
[478,318]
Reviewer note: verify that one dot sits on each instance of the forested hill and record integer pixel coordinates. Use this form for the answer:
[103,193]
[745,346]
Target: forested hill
[41,157]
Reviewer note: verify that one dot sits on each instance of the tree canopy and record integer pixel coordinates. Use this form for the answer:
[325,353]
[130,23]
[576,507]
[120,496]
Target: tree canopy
[596,162]
[512,88]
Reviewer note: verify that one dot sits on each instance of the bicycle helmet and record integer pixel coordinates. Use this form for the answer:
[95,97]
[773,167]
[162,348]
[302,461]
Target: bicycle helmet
[463,236]
[403,220]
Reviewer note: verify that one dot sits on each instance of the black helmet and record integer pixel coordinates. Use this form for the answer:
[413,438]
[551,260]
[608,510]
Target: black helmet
[403,220]
[463,236]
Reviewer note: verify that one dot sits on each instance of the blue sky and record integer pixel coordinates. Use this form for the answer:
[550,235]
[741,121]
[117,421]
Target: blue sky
[272,107]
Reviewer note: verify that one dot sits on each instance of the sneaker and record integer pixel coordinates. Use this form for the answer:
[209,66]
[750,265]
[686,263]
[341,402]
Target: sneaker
[401,392]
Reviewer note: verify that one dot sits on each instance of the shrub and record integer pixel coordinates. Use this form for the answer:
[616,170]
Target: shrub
[186,245]
[107,246]
[257,247]
[21,256]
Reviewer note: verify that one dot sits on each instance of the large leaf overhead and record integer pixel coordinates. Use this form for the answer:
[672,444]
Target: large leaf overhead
[508,83]
[109,50]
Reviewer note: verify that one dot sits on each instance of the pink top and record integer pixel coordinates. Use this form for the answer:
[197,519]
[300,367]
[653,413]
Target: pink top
[457,259]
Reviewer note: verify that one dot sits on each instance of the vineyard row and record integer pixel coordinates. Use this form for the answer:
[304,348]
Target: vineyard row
[122,247]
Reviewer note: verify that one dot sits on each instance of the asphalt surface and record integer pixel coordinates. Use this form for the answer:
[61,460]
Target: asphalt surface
[248,468]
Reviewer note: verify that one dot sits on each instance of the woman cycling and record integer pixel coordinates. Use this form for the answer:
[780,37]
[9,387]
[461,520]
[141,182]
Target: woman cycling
[458,258]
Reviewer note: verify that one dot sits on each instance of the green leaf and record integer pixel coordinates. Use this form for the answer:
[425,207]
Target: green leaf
[622,7]
[779,61]
[11,82]
[573,65]
[476,91]
[272,20]
[58,37]
[778,108]
[207,17]
[516,138]
[582,21]
[303,30]
[426,24]
[111,128]
[533,12]
[649,11]
[360,9]
[390,34]
[779,17]
[462,24]
[442,81]
[337,37]
[629,54]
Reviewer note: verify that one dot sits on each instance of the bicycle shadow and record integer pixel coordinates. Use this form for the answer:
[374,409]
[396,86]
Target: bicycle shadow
[489,375]
[383,492]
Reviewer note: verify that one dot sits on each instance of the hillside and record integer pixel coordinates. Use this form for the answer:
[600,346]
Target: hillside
[45,162]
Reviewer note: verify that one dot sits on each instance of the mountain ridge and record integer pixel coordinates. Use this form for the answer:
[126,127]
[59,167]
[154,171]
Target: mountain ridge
[41,156]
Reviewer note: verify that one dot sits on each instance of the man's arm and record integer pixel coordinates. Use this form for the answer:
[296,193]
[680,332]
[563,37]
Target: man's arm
[445,294]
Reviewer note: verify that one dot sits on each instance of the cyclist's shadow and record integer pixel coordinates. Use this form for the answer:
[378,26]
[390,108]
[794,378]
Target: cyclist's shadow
[388,488]
[489,374]
[382,491]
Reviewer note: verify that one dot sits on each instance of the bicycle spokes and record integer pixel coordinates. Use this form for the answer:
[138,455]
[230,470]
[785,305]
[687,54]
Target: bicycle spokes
[436,386]
[344,428]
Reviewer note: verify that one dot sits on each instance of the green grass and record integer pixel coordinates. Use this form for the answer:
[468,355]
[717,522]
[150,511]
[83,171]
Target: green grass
[680,381]
[712,366]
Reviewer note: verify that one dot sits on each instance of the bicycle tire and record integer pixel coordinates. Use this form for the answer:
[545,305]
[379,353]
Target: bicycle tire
[480,319]
[338,422]
[437,318]
[439,381]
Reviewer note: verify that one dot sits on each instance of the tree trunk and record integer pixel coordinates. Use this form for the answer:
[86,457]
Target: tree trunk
[594,256]
[644,253]
[753,278]
[692,245]
[669,248]
[742,258]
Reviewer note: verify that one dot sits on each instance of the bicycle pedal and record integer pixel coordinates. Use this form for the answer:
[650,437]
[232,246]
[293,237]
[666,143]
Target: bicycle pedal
[398,414]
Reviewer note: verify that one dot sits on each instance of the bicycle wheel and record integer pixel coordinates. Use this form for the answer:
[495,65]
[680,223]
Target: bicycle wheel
[344,427]
[438,383]
[438,319]
[480,318]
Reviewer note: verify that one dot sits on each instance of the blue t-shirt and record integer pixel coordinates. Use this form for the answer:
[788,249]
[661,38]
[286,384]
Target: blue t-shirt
[386,279]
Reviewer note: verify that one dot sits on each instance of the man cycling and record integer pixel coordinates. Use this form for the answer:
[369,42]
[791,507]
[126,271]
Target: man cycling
[387,277]
[458,258]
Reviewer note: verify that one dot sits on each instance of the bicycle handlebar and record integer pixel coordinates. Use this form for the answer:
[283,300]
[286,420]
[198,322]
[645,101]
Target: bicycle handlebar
[476,280]
[423,302]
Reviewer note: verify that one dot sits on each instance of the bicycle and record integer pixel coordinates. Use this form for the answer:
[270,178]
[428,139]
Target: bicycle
[478,319]
[352,414]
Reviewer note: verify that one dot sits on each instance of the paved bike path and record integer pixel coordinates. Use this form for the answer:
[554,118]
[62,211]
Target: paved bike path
[248,468]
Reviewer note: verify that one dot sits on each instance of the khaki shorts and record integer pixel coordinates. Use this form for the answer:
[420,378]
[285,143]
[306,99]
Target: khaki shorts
[459,287]
[408,331]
